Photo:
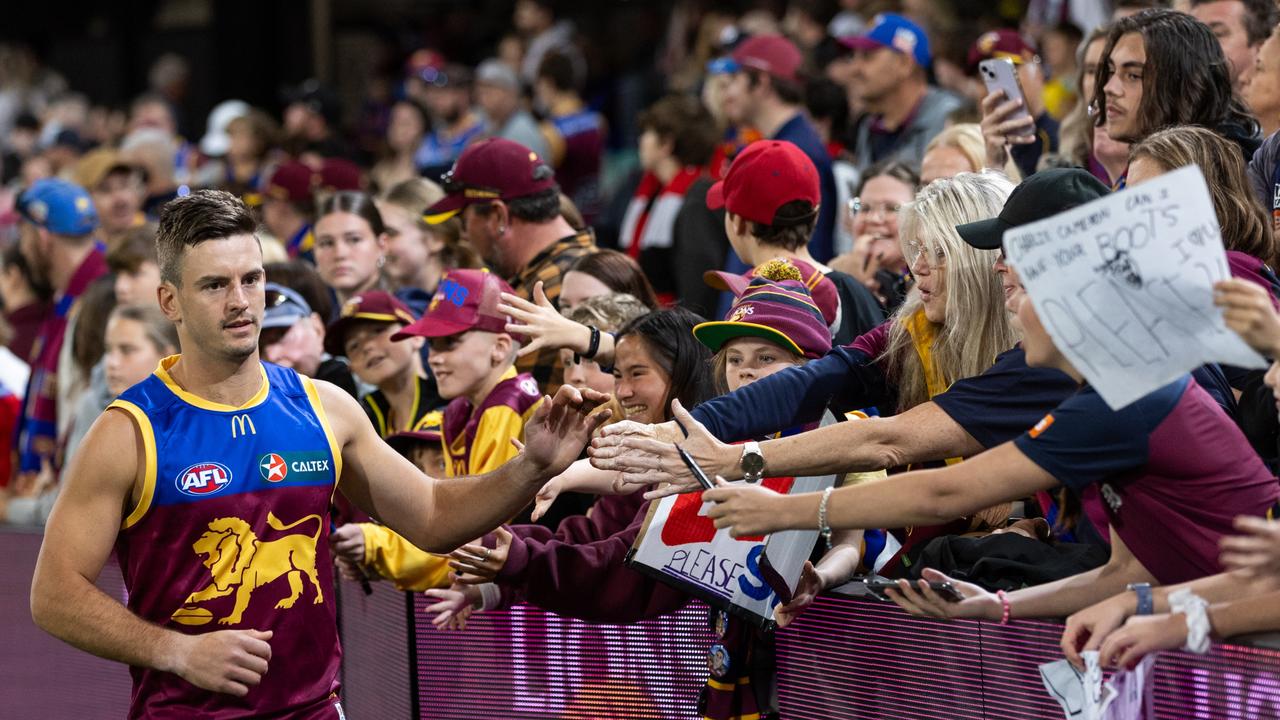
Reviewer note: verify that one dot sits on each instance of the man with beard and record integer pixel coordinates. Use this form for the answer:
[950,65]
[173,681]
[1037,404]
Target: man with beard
[509,203]
[447,93]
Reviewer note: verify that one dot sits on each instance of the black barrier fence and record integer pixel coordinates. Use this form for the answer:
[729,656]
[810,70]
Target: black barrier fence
[846,657]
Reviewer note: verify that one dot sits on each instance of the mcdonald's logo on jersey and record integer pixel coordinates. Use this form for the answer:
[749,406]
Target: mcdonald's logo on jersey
[242,425]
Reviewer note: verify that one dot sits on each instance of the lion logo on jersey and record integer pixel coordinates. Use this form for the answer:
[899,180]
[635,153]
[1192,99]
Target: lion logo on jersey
[241,563]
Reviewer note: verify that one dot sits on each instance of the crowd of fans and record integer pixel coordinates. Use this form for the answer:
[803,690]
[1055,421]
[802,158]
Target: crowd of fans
[815,224]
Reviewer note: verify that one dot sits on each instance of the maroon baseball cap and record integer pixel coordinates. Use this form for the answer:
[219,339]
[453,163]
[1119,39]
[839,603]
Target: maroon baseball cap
[464,300]
[337,174]
[492,169]
[821,289]
[1004,43]
[774,55]
[372,306]
[426,430]
[292,182]
[765,176]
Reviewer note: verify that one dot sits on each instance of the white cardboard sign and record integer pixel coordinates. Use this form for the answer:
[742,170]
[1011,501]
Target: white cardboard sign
[1124,285]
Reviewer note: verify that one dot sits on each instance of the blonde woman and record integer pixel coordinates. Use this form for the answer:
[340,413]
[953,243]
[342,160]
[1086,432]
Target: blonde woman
[958,149]
[418,254]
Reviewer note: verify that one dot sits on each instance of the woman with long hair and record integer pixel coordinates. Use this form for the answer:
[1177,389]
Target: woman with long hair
[351,245]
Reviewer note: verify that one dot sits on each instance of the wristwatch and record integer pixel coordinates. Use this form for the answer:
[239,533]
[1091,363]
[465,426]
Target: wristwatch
[752,462]
[1146,603]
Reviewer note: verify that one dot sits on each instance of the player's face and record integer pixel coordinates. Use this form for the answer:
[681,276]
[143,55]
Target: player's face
[375,358]
[218,309]
[462,363]
[642,383]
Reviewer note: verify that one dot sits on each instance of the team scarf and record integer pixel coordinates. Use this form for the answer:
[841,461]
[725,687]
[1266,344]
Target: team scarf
[651,217]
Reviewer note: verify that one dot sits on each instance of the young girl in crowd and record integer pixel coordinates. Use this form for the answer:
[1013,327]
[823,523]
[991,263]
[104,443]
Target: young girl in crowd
[351,245]
[137,338]
[419,254]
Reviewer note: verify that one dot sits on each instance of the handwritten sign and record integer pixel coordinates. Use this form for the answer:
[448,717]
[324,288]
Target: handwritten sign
[1124,285]
[681,546]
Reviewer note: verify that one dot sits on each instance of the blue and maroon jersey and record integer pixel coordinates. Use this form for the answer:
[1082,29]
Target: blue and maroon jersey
[231,532]
[579,170]
[1171,472]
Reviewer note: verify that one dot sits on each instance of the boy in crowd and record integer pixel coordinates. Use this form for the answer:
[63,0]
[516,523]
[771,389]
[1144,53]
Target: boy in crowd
[473,360]
[771,197]
[132,259]
[367,333]
[371,551]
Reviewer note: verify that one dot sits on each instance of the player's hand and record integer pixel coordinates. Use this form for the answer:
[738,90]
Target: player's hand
[745,509]
[919,598]
[561,428]
[453,606]
[1090,627]
[347,542]
[542,325]
[1141,636]
[806,590]
[1247,310]
[1257,551]
[225,661]
[640,458]
[476,564]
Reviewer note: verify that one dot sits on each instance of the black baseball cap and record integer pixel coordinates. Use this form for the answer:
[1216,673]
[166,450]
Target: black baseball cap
[1040,196]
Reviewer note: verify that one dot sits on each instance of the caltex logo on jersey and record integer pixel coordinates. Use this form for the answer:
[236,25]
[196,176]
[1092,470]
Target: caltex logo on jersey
[273,468]
[204,479]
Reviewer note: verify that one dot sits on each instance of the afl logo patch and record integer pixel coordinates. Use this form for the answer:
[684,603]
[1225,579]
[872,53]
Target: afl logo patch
[203,479]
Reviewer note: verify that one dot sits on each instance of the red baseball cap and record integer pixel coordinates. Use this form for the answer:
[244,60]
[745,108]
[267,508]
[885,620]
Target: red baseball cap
[337,174]
[492,169]
[765,176]
[821,289]
[292,182]
[372,306]
[464,300]
[772,54]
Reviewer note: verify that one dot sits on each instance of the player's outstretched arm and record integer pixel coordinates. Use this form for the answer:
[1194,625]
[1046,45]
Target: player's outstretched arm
[440,514]
[97,492]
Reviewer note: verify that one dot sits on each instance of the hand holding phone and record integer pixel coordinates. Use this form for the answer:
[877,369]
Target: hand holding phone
[877,586]
[1014,123]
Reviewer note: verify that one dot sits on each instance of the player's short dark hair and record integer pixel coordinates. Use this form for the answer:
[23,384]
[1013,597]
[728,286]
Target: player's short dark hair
[188,221]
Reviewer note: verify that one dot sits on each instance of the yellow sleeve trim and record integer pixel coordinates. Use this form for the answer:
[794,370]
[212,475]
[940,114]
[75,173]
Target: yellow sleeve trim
[149,458]
[318,407]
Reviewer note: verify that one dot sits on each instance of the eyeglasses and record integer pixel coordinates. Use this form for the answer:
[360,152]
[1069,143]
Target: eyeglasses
[915,249]
[857,206]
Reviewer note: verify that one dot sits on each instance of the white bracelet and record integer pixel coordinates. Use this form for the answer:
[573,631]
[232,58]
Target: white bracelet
[1195,609]
[823,528]
[490,596]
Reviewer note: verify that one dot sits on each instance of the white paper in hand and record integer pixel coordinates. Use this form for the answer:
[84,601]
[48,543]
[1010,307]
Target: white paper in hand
[1124,285]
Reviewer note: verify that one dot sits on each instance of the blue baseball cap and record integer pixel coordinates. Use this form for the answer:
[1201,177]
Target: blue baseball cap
[897,33]
[58,206]
[284,307]
[722,66]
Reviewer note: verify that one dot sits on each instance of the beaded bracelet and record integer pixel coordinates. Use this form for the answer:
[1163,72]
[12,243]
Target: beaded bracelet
[1004,605]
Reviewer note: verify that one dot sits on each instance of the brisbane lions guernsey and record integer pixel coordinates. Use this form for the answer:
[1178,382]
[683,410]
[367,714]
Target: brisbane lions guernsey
[231,532]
